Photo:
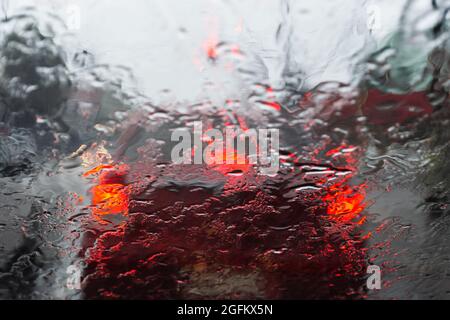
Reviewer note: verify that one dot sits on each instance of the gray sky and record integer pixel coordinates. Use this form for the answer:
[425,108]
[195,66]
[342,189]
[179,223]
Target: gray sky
[163,41]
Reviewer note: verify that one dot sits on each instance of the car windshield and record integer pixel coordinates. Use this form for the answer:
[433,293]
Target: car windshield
[224,149]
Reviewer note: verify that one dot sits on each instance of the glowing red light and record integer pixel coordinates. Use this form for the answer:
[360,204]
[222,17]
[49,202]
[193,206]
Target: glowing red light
[109,199]
[110,195]
[344,202]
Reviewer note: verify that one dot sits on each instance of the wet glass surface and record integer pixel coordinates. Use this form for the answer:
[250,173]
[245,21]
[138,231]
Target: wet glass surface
[93,207]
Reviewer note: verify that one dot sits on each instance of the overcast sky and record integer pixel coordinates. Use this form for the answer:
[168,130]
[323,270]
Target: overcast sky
[163,40]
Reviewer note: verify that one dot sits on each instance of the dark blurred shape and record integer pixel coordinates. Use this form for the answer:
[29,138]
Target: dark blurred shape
[34,78]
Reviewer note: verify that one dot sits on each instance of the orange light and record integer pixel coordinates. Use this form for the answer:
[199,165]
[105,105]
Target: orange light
[97,170]
[211,51]
[109,199]
[271,104]
[210,44]
[344,203]
[110,195]
[239,162]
